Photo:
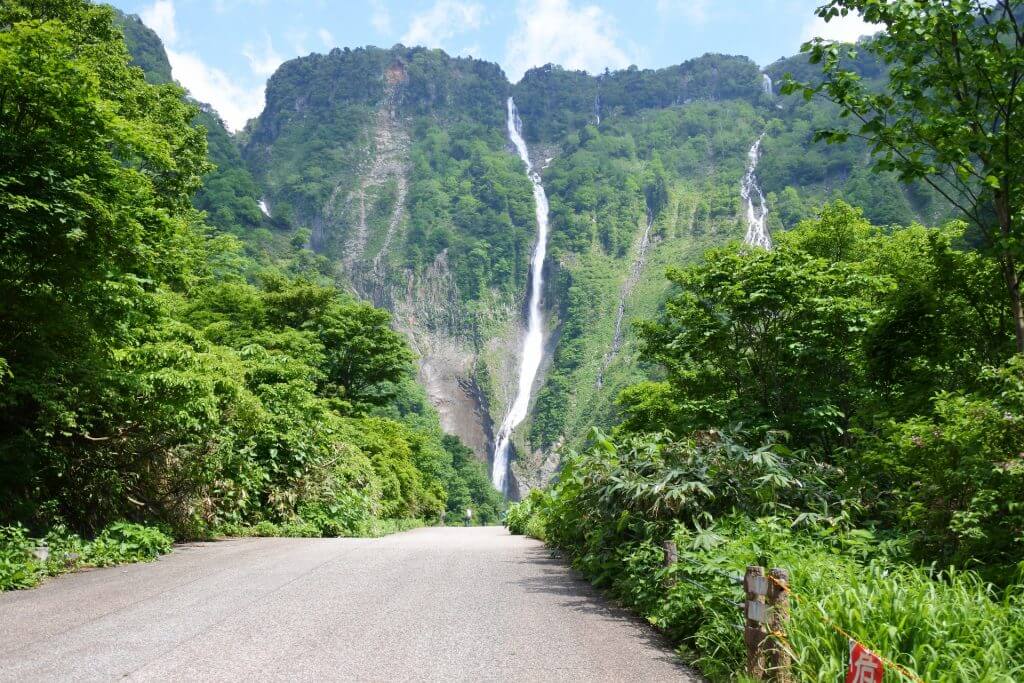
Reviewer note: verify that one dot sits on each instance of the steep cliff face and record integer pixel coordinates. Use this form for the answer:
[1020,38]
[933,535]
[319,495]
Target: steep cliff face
[395,166]
[396,161]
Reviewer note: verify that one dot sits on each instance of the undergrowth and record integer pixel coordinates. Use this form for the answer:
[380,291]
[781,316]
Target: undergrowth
[726,507]
[25,561]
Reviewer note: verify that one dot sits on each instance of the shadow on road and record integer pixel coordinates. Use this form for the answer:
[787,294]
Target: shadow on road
[561,580]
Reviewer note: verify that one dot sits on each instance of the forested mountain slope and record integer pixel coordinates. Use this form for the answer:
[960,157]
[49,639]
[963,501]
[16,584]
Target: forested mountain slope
[395,167]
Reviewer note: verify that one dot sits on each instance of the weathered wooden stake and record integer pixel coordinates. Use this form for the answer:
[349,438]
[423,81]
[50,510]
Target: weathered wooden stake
[778,598]
[755,615]
[671,556]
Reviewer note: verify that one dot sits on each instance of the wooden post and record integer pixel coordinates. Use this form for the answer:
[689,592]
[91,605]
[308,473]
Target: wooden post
[671,556]
[754,614]
[778,598]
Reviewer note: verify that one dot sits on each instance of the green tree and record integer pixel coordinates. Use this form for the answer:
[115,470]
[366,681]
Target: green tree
[95,180]
[951,114]
[765,338]
[365,357]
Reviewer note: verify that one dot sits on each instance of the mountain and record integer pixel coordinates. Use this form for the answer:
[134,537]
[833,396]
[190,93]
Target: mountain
[146,48]
[229,194]
[395,166]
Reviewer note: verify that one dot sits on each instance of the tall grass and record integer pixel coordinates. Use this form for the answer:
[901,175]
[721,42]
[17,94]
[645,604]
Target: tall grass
[943,626]
[947,626]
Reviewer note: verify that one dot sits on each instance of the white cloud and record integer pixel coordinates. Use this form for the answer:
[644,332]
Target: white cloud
[446,18]
[225,6]
[556,31]
[264,61]
[380,19]
[235,103]
[160,17]
[694,11]
[326,38]
[844,29]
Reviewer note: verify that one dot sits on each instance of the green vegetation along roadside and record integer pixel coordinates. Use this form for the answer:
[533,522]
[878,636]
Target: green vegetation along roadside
[847,406]
[160,372]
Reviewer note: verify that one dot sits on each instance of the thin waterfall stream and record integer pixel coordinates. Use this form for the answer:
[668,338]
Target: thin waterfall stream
[754,201]
[533,342]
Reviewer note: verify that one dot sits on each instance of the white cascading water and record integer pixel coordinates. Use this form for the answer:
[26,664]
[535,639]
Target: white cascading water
[533,343]
[753,200]
[264,208]
[767,85]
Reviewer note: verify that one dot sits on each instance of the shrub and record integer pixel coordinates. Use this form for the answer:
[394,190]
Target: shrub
[118,543]
[123,542]
[527,516]
[727,506]
[265,529]
[347,512]
[19,568]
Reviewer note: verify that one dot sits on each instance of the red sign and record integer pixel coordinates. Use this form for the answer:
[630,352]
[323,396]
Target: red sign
[865,666]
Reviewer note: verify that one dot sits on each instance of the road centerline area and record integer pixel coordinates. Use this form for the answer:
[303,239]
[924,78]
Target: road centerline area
[431,604]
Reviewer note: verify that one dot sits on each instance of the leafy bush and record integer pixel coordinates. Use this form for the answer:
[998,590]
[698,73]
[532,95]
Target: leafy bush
[954,480]
[19,567]
[527,516]
[62,551]
[123,542]
[385,527]
[946,627]
[727,506]
[349,513]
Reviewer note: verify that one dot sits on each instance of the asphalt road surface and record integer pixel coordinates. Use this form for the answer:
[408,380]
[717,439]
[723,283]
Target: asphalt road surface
[428,605]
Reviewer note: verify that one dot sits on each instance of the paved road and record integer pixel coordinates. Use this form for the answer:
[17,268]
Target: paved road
[432,604]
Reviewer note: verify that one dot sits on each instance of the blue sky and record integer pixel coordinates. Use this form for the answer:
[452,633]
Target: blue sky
[224,50]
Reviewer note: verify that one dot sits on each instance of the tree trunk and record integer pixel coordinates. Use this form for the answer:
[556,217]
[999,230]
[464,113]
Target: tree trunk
[1016,310]
[1010,274]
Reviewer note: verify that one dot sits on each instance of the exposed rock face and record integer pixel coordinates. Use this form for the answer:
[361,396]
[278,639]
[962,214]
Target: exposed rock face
[446,370]
[378,98]
[388,164]
[428,313]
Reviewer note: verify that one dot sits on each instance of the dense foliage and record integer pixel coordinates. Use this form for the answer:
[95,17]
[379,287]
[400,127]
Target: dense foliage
[471,201]
[949,115]
[25,561]
[847,406]
[152,370]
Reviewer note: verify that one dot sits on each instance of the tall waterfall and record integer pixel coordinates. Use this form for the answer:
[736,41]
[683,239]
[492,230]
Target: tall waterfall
[533,343]
[753,200]
[767,85]
[264,208]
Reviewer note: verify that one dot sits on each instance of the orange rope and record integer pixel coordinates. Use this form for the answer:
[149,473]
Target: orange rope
[828,620]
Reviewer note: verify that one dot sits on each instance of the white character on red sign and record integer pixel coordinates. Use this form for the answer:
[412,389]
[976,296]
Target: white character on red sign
[865,666]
